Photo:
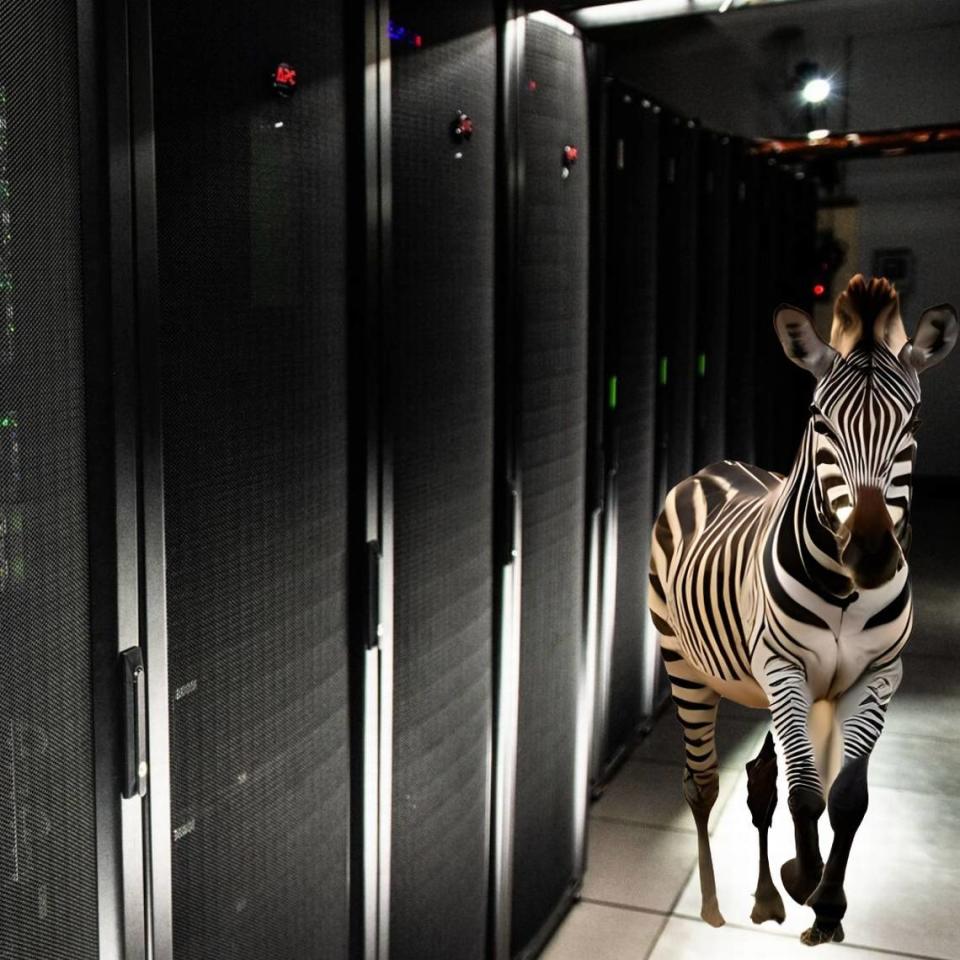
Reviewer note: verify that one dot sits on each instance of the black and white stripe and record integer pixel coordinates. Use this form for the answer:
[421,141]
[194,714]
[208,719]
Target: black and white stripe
[747,589]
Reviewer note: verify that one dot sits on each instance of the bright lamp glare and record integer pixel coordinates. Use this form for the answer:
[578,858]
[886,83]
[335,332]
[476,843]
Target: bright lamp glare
[816,90]
[818,134]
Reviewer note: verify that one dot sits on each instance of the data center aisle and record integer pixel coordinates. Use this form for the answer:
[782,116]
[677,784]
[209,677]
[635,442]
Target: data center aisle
[641,894]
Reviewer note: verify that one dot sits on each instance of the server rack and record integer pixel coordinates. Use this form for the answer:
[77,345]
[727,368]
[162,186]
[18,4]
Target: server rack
[677,297]
[243,313]
[743,328]
[629,663]
[444,118]
[243,479]
[553,374]
[713,298]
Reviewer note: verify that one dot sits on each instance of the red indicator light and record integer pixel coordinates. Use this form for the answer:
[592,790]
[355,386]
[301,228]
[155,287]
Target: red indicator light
[418,41]
[531,84]
[570,154]
[462,127]
[285,80]
[819,289]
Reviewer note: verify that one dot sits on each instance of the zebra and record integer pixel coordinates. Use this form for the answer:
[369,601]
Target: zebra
[781,592]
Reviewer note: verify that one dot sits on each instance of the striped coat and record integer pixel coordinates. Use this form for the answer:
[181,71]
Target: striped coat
[777,592]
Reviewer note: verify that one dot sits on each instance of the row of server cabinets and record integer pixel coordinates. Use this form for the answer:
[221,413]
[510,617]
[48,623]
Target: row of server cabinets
[293,384]
[346,352]
[696,240]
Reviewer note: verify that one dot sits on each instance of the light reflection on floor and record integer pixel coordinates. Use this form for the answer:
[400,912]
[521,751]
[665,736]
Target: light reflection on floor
[641,895]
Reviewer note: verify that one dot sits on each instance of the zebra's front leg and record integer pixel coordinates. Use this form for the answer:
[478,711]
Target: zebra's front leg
[861,712]
[697,711]
[790,700]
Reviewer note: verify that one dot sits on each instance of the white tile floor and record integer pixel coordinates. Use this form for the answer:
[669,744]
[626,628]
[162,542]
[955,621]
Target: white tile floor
[641,893]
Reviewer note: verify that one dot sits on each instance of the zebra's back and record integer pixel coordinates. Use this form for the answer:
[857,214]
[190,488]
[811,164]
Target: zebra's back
[703,583]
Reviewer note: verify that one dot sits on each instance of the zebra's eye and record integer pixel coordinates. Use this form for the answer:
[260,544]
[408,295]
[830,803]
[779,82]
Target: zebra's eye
[914,425]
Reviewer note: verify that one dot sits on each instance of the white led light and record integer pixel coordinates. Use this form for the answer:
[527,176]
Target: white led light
[816,90]
[818,134]
[545,16]
[278,125]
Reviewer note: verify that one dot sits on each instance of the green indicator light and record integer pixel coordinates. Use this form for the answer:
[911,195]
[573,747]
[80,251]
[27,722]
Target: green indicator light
[612,393]
[701,364]
[663,371]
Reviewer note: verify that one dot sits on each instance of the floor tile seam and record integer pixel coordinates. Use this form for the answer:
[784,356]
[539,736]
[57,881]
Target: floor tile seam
[629,907]
[897,735]
[627,822]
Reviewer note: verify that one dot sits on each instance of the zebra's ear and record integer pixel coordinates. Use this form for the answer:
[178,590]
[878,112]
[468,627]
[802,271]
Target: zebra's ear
[800,340]
[935,337]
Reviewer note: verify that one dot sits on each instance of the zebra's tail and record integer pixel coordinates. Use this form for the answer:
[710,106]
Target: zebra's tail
[826,740]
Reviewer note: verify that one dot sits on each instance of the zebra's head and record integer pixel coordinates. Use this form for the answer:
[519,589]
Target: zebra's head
[861,447]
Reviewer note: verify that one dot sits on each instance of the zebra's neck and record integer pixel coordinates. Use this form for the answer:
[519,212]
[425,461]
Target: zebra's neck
[800,542]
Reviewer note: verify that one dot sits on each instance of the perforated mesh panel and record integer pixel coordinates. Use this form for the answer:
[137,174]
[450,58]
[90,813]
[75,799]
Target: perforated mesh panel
[744,325]
[632,319]
[251,244]
[677,293]
[48,873]
[442,399]
[713,305]
[553,367]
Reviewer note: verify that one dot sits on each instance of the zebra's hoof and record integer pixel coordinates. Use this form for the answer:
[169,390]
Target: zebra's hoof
[798,884]
[824,933]
[710,912]
[768,906]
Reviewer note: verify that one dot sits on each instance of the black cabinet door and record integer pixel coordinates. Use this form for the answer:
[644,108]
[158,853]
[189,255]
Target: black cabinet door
[48,817]
[553,368]
[250,201]
[440,402]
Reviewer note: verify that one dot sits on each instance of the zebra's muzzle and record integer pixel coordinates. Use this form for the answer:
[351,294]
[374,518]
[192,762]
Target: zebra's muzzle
[869,546]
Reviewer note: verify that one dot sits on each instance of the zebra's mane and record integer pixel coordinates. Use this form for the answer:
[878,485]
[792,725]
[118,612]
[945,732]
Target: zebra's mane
[867,313]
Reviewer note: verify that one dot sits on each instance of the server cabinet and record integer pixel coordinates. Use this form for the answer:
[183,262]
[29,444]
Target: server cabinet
[744,328]
[713,298]
[677,297]
[63,614]
[440,394]
[787,225]
[248,122]
[552,453]
[629,662]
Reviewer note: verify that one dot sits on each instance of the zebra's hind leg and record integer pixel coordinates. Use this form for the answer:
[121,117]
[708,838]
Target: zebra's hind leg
[697,710]
[762,801]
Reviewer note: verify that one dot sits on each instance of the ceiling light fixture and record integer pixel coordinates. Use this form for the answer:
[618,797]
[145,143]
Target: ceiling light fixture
[816,90]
